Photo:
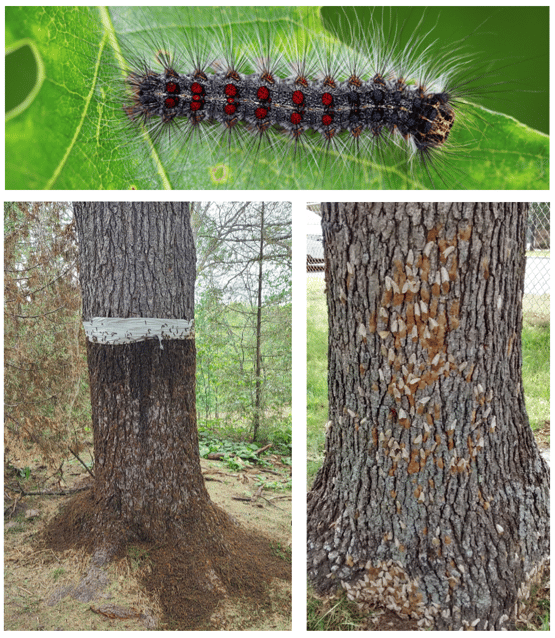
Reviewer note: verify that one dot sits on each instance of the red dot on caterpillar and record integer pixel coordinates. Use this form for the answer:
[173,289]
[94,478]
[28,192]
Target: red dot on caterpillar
[296,118]
[263,93]
[233,75]
[297,97]
[261,113]
[230,90]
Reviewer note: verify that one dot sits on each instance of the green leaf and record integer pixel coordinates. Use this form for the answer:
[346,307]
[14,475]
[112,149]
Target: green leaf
[74,134]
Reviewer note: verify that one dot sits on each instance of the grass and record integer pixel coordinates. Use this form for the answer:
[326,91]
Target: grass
[535,371]
[535,308]
[334,615]
[283,552]
[536,609]
[60,571]
[317,366]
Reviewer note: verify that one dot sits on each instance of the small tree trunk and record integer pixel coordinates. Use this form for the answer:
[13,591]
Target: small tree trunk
[433,497]
[258,370]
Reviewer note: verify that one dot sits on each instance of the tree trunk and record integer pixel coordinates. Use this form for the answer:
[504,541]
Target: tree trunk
[138,260]
[433,497]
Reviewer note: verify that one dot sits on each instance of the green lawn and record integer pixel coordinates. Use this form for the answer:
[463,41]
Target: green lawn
[535,371]
[317,373]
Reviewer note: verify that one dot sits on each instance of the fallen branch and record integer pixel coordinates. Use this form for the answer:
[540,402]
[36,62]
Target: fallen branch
[270,503]
[263,449]
[69,490]
[215,456]
[12,507]
[258,494]
[265,470]
[80,461]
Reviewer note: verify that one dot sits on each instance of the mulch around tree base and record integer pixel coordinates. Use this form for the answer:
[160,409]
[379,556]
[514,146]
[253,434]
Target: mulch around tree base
[189,574]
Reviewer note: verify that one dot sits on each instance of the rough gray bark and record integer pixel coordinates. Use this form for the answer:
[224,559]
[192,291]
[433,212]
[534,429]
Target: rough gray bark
[138,260]
[433,498]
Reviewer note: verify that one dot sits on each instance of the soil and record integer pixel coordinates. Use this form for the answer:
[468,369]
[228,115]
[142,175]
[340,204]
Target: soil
[51,583]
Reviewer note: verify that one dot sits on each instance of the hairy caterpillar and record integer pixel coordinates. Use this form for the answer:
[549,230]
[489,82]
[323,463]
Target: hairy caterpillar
[471,147]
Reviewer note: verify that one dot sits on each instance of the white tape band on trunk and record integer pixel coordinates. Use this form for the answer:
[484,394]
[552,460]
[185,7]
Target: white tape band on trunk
[114,331]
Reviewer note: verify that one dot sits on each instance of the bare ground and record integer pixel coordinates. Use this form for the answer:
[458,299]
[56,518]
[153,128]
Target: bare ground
[58,589]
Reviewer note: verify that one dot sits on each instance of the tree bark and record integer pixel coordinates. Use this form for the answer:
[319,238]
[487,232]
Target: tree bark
[138,260]
[433,498]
